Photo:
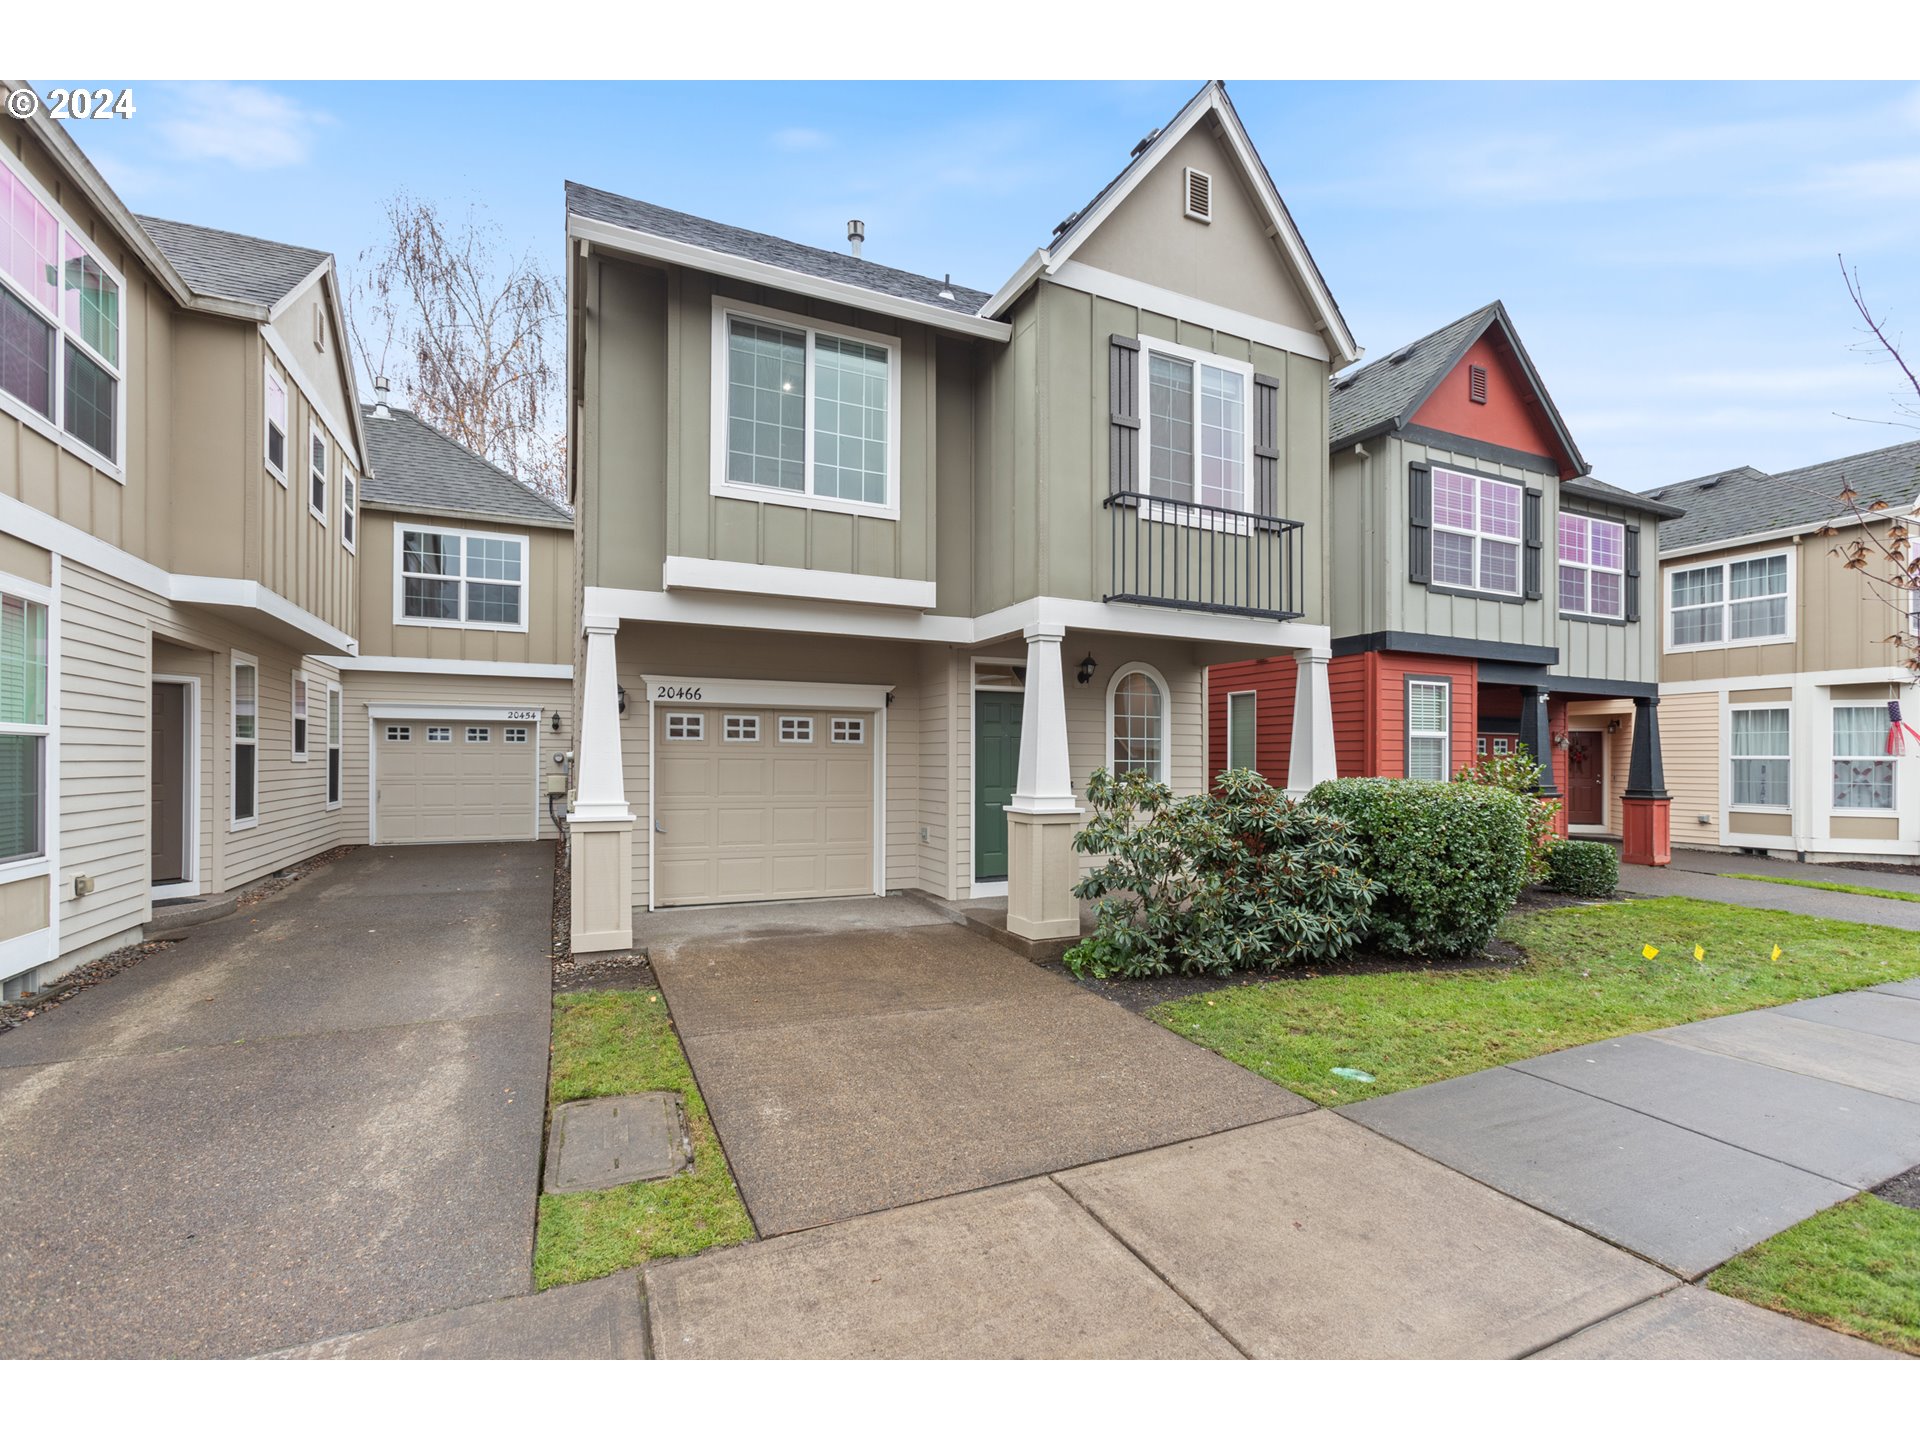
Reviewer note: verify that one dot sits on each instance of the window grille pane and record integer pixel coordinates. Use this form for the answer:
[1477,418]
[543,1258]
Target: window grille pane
[23,662]
[430,599]
[1757,619]
[245,702]
[1500,509]
[92,403]
[850,420]
[1170,406]
[1697,587]
[493,559]
[1860,730]
[493,604]
[1136,725]
[1223,432]
[1573,589]
[766,405]
[1608,544]
[1453,499]
[26,354]
[1573,539]
[1500,566]
[1761,782]
[29,240]
[1697,627]
[1749,579]
[22,795]
[1760,732]
[427,552]
[1609,593]
[93,303]
[1453,559]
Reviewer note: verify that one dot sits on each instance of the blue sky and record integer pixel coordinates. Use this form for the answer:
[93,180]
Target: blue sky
[1667,251]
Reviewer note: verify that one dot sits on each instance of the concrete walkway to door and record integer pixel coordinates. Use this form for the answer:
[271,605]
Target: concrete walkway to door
[319,1114]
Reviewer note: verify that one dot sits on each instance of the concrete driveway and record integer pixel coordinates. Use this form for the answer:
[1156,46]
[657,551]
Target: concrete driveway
[1703,875]
[317,1115]
[852,1066]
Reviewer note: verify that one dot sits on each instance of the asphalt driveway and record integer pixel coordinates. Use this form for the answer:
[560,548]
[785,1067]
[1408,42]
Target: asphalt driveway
[852,1068]
[320,1114]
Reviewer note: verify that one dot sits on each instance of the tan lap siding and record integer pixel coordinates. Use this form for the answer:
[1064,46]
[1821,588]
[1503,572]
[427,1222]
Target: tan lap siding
[1690,753]
[937,680]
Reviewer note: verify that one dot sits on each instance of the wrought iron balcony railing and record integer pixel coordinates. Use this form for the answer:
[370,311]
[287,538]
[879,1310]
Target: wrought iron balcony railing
[1189,556]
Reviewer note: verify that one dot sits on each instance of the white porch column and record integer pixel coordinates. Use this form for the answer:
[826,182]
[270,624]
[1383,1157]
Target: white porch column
[1311,758]
[599,825]
[1044,812]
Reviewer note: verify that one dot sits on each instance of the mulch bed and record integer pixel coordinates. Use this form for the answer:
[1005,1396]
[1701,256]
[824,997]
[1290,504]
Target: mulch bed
[1902,1190]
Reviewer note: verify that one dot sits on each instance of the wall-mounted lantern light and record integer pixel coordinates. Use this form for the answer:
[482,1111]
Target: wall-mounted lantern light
[623,699]
[1087,667]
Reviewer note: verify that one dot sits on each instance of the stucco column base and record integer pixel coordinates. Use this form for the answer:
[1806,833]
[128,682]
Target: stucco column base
[600,859]
[1041,870]
[1645,831]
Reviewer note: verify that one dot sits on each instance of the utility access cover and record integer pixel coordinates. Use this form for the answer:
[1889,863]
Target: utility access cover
[615,1140]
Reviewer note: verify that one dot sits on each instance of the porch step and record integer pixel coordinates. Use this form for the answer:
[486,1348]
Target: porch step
[988,917]
[173,918]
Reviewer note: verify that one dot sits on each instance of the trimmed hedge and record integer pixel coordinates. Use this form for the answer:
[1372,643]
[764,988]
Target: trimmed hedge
[1583,867]
[1451,856]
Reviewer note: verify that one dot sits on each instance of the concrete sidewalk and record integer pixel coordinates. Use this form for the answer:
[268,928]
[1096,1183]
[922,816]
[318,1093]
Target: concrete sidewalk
[1702,875]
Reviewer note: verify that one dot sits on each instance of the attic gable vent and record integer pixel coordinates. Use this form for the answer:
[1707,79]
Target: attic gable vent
[1477,384]
[1199,195]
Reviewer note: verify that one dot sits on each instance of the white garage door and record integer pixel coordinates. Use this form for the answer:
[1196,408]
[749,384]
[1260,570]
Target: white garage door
[756,804]
[444,780]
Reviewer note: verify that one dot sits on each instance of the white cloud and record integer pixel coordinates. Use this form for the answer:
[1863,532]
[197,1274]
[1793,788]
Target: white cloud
[247,126]
[799,137]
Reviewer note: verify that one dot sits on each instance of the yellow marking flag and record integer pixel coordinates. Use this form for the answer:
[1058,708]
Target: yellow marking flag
[1649,951]
[1776,952]
[1699,952]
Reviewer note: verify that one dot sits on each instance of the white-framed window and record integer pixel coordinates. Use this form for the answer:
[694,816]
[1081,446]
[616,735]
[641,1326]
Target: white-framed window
[479,734]
[319,452]
[1137,721]
[1748,601]
[796,729]
[349,509]
[61,368]
[1429,728]
[398,733]
[1476,532]
[1762,757]
[1502,745]
[804,414]
[299,716]
[24,731]
[1243,733]
[460,578]
[516,735]
[1593,567]
[1480,745]
[336,736]
[687,725]
[1863,772]
[439,734]
[243,736]
[741,729]
[276,439]
[848,730]
[1196,430]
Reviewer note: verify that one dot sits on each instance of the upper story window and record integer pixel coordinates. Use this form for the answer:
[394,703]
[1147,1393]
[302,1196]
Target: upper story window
[1196,439]
[804,415]
[349,509]
[318,451]
[456,577]
[276,425]
[1593,567]
[1724,602]
[60,364]
[1476,532]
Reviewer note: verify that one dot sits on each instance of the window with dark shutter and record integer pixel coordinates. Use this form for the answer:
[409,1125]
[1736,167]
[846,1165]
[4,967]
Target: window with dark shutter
[1266,446]
[1420,524]
[1536,542]
[1477,384]
[1123,431]
[1633,573]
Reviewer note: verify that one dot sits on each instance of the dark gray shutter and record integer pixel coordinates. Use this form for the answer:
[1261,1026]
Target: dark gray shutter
[1536,541]
[1266,446]
[1123,434]
[1420,524]
[1633,572]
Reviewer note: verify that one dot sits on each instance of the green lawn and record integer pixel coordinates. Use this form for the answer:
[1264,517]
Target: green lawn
[618,1042]
[1854,1268]
[1585,979]
[1914,896]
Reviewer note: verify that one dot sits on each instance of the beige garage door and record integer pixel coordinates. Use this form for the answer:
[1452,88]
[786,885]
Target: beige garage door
[758,804]
[445,780]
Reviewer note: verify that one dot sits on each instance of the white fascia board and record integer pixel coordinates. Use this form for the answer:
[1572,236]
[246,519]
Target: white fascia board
[757,272]
[1761,537]
[1128,291]
[1018,282]
[484,517]
[221,592]
[1820,679]
[280,305]
[484,669]
[688,572]
[342,431]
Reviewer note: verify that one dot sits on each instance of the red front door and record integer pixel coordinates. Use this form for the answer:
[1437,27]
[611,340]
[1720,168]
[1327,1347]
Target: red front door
[1586,778]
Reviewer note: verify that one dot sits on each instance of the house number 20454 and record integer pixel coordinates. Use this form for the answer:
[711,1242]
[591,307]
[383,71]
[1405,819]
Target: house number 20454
[676,692]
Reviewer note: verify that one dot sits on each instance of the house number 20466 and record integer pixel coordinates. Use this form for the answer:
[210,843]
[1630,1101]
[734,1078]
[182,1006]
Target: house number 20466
[676,692]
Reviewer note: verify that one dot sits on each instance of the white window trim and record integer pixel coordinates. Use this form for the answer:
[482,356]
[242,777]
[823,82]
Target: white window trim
[692,722]
[744,722]
[405,736]
[317,431]
[349,510]
[279,472]
[486,734]
[400,617]
[801,499]
[1254,696]
[28,866]
[335,700]
[1733,803]
[1444,736]
[1589,613]
[445,738]
[1137,667]
[1479,536]
[799,723]
[295,699]
[55,430]
[1160,508]
[236,659]
[1833,806]
[858,723]
[1725,603]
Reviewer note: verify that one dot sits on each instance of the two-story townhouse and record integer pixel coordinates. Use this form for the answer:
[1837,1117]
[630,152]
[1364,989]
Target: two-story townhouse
[1777,663]
[460,702]
[1488,596]
[179,456]
[877,569]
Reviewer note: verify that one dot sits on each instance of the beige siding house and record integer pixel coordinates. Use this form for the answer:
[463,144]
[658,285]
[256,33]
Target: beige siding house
[1777,664]
[876,569]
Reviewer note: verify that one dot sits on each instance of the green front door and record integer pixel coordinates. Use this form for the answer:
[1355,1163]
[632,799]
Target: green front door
[996,770]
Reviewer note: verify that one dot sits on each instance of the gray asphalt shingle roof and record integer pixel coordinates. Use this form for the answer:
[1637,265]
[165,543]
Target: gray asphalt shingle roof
[1747,501]
[769,249]
[226,266]
[416,467]
[1385,392]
